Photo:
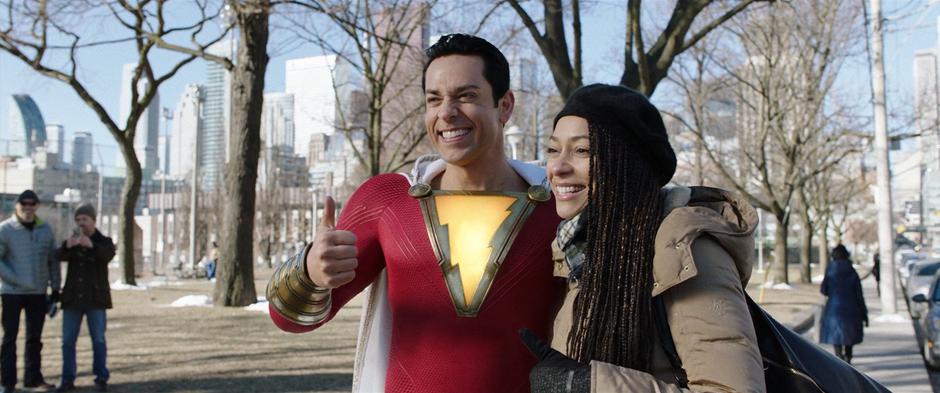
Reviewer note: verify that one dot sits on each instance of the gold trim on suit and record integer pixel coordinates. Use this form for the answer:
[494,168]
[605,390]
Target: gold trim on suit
[295,296]
[471,232]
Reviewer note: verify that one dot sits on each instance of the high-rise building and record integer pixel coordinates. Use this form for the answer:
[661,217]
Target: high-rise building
[277,120]
[216,117]
[311,82]
[187,125]
[147,139]
[403,97]
[55,142]
[27,129]
[82,151]
[927,106]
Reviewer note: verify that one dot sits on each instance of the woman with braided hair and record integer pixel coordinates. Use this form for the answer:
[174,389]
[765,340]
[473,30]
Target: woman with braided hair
[635,252]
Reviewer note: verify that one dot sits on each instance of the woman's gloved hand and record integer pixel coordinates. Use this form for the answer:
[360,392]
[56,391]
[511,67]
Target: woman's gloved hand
[555,372]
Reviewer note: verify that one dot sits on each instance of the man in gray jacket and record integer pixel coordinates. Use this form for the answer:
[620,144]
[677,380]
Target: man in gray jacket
[28,267]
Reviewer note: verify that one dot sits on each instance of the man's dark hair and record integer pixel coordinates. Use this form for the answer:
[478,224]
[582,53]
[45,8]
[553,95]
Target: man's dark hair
[495,66]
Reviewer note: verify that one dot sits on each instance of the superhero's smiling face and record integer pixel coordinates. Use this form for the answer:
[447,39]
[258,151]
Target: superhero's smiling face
[569,165]
[462,121]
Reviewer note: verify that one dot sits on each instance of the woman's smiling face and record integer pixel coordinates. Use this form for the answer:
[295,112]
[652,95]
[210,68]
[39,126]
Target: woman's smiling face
[569,165]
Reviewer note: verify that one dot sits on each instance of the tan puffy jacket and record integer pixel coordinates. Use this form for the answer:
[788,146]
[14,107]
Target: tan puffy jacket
[702,280]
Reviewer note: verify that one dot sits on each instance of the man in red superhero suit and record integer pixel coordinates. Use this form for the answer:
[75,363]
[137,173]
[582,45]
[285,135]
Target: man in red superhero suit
[457,253]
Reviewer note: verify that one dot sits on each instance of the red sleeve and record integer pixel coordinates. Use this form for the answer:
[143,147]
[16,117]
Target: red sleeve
[360,215]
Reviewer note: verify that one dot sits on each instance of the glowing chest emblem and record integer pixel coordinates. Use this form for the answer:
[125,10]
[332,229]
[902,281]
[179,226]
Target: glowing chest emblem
[471,233]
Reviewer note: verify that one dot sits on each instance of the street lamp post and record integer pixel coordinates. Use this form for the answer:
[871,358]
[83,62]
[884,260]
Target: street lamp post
[514,136]
[193,200]
[69,196]
[162,223]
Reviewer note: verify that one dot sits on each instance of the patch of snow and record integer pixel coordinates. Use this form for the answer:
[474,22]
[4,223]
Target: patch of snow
[261,305]
[121,286]
[163,283]
[192,301]
[892,318]
[778,287]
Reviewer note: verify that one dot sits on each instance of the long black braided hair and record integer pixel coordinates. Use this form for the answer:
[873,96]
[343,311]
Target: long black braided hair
[613,310]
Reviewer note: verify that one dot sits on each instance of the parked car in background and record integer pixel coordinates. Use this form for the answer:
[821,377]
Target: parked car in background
[930,324]
[920,282]
[904,263]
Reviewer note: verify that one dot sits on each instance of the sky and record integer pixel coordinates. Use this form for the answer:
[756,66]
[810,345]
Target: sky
[910,29]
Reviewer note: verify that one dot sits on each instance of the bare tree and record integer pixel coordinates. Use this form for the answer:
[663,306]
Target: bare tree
[830,199]
[248,65]
[235,285]
[269,207]
[44,35]
[644,67]
[791,52]
[382,42]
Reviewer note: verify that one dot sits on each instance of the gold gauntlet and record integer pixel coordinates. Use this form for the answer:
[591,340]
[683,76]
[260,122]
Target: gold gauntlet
[295,296]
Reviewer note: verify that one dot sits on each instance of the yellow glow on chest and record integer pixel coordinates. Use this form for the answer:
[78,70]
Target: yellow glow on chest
[472,222]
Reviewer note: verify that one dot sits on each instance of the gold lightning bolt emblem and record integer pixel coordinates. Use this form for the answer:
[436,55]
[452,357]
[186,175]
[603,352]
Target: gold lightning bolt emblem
[471,233]
[472,222]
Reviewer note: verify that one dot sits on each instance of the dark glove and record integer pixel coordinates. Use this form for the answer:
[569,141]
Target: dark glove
[554,372]
[54,297]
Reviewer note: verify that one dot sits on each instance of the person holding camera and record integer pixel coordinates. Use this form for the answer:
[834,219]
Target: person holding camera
[87,293]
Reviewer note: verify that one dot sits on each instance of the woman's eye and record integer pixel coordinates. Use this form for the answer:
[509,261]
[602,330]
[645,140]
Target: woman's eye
[551,150]
[583,150]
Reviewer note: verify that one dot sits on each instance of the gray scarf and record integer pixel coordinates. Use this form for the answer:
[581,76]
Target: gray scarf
[572,239]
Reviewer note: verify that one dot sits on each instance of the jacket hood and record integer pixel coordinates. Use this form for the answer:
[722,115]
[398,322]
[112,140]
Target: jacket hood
[695,211]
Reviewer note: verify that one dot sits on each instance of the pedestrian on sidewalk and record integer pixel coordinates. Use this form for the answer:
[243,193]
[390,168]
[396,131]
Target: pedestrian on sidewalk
[87,293]
[28,266]
[876,272]
[845,310]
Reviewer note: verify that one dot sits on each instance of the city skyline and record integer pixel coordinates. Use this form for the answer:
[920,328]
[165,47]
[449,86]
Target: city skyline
[908,36]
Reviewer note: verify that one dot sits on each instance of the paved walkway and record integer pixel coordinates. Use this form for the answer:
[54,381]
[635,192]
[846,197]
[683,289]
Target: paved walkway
[890,352]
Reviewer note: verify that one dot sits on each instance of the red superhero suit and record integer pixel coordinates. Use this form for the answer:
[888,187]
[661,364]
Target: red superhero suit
[432,349]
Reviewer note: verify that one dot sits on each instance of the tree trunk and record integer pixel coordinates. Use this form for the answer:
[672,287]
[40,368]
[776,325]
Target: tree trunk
[130,193]
[823,247]
[806,237]
[375,127]
[699,163]
[779,272]
[235,284]
[806,249]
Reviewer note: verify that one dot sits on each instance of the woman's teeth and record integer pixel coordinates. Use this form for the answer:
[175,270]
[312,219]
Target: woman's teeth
[569,189]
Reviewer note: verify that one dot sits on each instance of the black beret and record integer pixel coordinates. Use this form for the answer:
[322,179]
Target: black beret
[623,110]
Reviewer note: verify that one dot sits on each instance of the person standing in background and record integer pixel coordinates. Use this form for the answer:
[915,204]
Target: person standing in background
[28,266]
[845,310]
[87,293]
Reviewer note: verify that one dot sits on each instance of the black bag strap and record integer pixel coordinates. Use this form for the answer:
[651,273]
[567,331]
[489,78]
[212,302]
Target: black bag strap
[666,342]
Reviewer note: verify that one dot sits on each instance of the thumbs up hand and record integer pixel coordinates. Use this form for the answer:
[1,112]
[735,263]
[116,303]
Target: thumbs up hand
[331,261]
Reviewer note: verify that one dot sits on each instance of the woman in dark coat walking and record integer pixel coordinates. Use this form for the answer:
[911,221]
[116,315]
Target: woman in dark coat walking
[845,310]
